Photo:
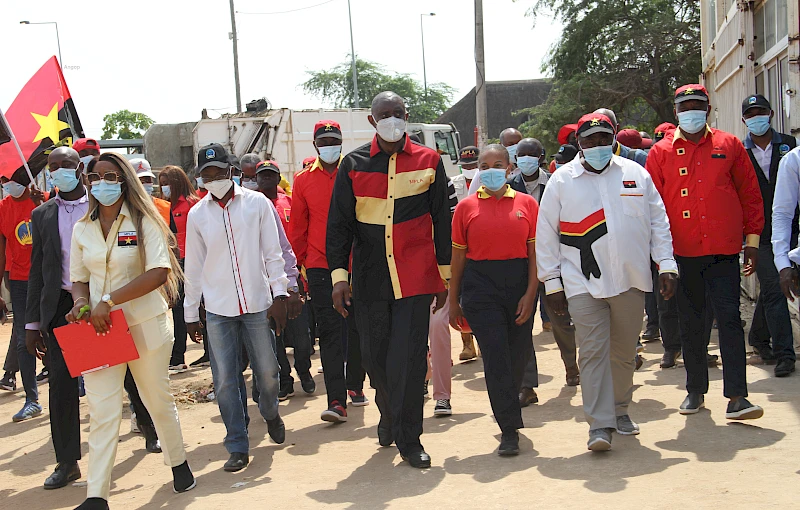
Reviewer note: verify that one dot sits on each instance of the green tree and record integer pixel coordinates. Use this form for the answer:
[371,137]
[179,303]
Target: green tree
[125,125]
[628,55]
[336,86]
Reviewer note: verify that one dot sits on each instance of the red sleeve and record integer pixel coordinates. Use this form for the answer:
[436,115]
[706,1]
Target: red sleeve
[653,167]
[552,166]
[459,231]
[746,184]
[298,224]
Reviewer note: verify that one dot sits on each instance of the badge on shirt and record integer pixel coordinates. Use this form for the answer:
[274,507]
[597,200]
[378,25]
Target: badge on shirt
[718,156]
[784,149]
[126,239]
[629,184]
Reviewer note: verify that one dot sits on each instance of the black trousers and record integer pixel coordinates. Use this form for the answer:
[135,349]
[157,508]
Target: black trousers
[651,309]
[179,325]
[771,317]
[564,333]
[667,315]
[330,328]
[394,345]
[65,419]
[296,334]
[716,277]
[490,293]
[354,372]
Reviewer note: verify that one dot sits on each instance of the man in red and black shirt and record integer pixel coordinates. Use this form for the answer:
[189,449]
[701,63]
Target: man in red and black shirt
[311,199]
[711,193]
[390,197]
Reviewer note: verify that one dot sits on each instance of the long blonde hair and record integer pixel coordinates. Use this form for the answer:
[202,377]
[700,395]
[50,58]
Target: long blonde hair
[140,205]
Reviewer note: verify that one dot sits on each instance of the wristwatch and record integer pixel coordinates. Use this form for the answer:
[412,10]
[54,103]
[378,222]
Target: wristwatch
[106,298]
[294,289]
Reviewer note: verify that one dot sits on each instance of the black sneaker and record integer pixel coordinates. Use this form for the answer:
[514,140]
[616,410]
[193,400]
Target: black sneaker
[651,334]
[669,358]
[335,413]
[308,384]
[8,382]
[509,444]
[277,429]
[692,403]
[743,410]
[712,360]
[766,354]
[357,398]
[442,408]
[639,361]
[203,361]
[43,376]
[286,390]
[784,367]
[425,391]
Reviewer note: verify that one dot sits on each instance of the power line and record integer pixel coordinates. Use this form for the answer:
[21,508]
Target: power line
[287,12]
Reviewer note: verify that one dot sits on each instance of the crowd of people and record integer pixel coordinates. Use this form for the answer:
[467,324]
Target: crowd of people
[378,254]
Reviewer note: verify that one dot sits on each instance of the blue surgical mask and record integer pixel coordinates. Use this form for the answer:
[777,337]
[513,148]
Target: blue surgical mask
[14,189]
[692,121]
[64,179]
[165,191]
[330,154]
[528,165]
[200,183]
[598,157]
[512,152]
[493,178]
[148,187]
[251,185]
[107,194]
[758,125]
[559,165]
[237,179]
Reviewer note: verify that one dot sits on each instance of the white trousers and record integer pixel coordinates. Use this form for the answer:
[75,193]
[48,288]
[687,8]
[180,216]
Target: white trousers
[104,393]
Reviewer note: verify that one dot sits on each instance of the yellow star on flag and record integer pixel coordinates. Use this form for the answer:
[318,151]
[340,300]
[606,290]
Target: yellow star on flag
[49,125]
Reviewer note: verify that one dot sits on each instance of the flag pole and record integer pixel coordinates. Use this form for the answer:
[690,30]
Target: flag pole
[19,150]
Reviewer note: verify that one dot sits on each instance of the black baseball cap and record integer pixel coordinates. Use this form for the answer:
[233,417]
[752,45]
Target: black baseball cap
[567,153]
[212,155]
[755,101]
[268,165]
[468,155]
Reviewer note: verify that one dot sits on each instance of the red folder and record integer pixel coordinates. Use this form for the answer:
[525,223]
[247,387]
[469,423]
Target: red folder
[85,351]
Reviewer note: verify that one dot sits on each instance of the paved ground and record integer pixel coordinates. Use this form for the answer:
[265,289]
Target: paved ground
[701,460]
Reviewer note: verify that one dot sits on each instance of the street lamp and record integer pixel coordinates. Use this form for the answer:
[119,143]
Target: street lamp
[58,40]
[353,56]
[424,71]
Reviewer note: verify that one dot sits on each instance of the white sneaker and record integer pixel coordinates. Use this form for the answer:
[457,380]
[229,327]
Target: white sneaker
[319,370]
[178,369]
[134,425]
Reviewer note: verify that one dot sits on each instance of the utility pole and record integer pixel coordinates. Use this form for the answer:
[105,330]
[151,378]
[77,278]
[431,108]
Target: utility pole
[353,55]
[482,117]
[424,69]
[235,59]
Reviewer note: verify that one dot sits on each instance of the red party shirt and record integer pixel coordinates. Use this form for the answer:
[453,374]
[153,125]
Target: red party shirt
[15,225]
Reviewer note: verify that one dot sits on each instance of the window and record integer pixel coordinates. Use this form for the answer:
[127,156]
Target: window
[711,20]
[760,84]
[784,87]
[445,144]
[771,25]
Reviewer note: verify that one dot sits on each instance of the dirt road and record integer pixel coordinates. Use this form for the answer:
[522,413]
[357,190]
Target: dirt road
[702,460]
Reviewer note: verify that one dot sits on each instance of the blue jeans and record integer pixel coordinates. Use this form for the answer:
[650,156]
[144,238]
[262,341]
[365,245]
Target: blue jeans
[226,336]
[27,361]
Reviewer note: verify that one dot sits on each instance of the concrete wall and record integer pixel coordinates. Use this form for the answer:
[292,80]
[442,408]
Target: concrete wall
[170,144]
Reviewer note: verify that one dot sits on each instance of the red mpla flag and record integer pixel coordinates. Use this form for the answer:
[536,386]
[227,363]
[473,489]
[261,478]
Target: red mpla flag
[42,117]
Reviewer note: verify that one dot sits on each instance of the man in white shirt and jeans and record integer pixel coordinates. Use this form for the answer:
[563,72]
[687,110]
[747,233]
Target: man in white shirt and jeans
[600,221]
[234,260]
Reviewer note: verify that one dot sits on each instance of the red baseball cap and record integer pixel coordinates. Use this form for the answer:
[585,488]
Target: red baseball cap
[563,133]
[309,160]
[630,138]
[663,130]
[593,123]
[327,128]
[85,143]
[691,91]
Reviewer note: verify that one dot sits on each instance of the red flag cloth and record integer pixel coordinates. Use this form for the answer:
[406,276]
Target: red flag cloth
[42,117]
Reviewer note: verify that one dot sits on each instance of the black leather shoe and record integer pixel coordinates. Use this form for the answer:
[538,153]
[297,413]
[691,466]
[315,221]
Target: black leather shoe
[766,354]
[93,504]
[668,359]
[692,403]
[651,333]
[236,462]
[182,478]
[63,474]
[385,436]
[308,384]
[419,460]
[276,429]
[784,367]
[527,396]
[151,442]
[509,444]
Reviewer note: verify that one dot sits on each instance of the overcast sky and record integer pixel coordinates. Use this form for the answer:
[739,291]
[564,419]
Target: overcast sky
[170,59]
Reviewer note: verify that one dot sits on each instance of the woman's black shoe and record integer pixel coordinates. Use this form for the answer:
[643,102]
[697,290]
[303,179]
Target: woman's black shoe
[182,478]
[93,504]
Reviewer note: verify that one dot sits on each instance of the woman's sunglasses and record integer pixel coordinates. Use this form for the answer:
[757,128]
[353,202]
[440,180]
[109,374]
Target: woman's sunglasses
[109,177]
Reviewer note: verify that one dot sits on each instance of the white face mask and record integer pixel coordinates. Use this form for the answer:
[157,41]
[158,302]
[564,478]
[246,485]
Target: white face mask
[200,183]
[148,187]
[219,188]
[330,154]
[164,191]
[251,185]
[469,174]
[391,129]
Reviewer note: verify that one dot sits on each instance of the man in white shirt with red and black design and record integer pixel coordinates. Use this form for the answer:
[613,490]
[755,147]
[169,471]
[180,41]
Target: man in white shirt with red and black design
[600,221]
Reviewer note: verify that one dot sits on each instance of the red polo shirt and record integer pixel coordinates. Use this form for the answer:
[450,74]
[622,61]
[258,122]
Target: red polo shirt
[311,199]
[492,229]
[710,191]
[180,213]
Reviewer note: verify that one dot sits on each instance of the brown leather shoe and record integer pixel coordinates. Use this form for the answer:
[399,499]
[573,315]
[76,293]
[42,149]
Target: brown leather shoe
[468,353]
[527,397]
[573,376]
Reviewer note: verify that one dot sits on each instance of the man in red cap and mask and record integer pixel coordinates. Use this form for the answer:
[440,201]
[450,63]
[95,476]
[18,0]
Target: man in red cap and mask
[711,193]
[600,222]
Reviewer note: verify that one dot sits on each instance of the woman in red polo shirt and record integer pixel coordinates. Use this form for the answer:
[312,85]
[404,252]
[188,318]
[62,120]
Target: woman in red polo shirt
[494,284]
[176,187]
